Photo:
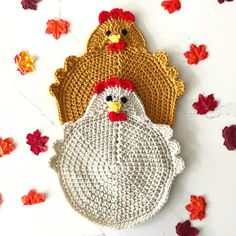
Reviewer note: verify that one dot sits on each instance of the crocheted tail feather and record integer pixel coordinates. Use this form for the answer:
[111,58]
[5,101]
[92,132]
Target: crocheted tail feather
[174,147]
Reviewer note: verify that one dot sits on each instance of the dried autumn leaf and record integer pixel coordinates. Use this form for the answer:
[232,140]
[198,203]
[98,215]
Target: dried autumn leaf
[1,200]
[171,5]
[222,1]
[30,4]
[205,104]
[33,198]
[196,54]
[6,146]
[57,28]
[37,142]
[185,229]
[24,62]
[196,207]
[229,135]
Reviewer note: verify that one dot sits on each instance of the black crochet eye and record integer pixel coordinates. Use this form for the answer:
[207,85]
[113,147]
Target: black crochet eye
[109,98]
[108,33]
[124,99]
[124,32]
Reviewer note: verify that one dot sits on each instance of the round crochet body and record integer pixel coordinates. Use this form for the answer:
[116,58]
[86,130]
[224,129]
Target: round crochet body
[117,173]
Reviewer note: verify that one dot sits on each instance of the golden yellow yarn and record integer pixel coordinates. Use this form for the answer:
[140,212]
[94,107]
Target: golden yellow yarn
[156,82]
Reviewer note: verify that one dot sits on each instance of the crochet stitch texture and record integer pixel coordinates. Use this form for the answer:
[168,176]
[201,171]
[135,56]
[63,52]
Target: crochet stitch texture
[116,173]
[117,48]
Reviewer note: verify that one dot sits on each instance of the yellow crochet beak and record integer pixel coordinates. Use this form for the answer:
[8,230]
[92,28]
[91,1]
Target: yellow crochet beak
[115,106]
[114,38]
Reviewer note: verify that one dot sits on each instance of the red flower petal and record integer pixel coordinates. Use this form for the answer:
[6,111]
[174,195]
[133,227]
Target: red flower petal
[205,104]
[229,135]
[57,28]
[37,142]
[185,229]
[30,4]
[6,146]
[33,198]
[196,54]
[196,207]
[171,5]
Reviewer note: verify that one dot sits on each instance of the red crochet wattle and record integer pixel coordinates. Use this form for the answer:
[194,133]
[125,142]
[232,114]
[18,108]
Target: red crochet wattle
[117,47]
[114,116]
[113,82]
[116,13]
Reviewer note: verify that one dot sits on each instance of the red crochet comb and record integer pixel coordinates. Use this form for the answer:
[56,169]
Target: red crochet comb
[116,13]
[113,82]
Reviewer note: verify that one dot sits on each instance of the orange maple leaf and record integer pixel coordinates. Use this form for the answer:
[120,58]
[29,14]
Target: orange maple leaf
[57,28]
[197,207]
[33,198]
[24,62]
[6,146]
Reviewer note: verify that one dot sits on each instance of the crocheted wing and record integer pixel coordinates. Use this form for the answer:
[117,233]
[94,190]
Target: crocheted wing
[115,166]
[117,48]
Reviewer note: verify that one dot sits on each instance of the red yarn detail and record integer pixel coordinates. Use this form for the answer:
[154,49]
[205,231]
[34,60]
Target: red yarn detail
[196,54]
[171,5]
[116,13]
[196,207]
[113,82]
[114,116]
[117,47]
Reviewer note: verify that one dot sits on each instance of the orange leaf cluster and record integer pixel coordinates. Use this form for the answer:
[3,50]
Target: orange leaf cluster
[33,198]
[6,146]
[24,62]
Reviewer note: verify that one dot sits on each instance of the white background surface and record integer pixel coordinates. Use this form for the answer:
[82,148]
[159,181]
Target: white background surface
[27,105]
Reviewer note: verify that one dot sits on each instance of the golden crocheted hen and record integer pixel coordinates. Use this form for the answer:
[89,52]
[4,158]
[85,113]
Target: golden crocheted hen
[117,48]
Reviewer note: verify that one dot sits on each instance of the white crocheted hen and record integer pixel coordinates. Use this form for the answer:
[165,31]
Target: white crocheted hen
[115,166]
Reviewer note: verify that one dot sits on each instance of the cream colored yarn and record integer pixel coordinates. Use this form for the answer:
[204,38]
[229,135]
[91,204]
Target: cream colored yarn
[116,174]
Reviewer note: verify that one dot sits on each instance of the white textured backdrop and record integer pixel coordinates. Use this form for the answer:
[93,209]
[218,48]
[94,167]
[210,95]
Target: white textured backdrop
[27,105]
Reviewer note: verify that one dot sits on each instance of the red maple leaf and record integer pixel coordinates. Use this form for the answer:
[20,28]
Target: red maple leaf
[196,207]
[33,198]
[171,5]
[57,28]
[222,1]
[30,4]
[6,146]
[185,229]
[229,135]
[196,54]
[37,142]
[205,104]
[1,199]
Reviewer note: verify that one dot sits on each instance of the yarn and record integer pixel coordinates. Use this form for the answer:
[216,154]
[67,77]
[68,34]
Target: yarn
[116,173]
[156,82]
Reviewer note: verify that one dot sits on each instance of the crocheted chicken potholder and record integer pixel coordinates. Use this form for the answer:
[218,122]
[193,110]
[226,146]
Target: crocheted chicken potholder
[115,166]
[117,48]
